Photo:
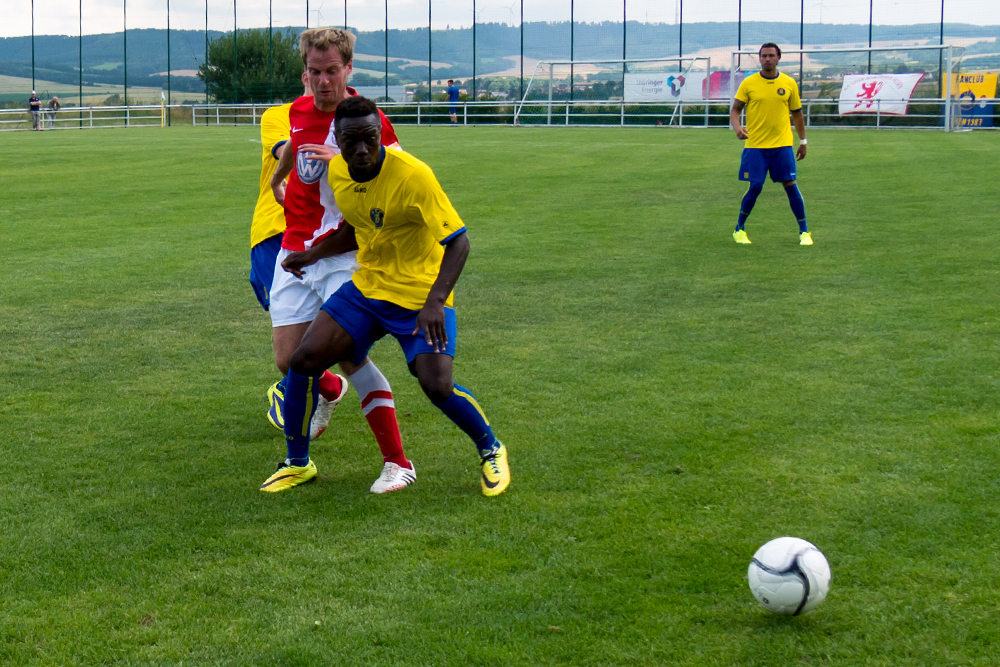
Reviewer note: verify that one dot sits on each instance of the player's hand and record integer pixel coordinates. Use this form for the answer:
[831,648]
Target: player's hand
[279,193]
[297,261]
[320,152]
[431,320]
[800,154]
[741,133]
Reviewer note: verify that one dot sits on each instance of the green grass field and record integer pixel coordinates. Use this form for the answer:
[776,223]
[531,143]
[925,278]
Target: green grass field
[670,400]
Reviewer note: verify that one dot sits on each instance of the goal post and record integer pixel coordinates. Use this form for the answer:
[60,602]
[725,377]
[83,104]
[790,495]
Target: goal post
[821,72]
[666,77]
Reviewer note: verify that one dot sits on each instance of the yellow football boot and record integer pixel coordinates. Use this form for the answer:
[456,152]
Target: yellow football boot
[275,406]
[741,237]
[805,238]
[288,476]
[496,472]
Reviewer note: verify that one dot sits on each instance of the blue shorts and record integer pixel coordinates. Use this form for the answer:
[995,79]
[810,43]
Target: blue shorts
[263,257]
[453,110]
[368,320]
[757,162]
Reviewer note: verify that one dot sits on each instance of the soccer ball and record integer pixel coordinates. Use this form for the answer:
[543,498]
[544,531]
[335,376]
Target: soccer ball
[789,576]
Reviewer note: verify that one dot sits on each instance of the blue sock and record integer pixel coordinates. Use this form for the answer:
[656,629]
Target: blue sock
[281,384]
[461,407]
[746,206]
[301,397]
[798,206]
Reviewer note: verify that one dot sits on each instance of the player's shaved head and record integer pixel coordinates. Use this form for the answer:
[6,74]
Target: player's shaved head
[358,128]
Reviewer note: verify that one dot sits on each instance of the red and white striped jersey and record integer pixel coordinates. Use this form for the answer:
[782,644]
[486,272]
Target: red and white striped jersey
[311,213]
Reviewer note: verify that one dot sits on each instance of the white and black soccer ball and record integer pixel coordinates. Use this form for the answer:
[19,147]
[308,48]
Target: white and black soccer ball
[789,576]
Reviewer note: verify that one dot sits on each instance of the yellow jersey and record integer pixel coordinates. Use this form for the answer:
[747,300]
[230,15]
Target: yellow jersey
[401,219]
[769,101]
[269,216]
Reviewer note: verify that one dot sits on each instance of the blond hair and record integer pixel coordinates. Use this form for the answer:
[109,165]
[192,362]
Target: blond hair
[325,38]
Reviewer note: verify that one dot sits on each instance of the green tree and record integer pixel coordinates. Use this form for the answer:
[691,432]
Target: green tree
[254,62]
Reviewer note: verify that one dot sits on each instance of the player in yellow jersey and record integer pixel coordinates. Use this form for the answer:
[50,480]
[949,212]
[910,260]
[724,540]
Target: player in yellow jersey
[268,216]
[769,97]
[412,246]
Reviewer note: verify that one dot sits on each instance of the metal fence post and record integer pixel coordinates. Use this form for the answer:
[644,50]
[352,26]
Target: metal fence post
[947,88]
[549,121]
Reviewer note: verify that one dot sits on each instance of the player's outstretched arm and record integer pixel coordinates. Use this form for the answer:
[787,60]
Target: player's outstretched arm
[431,317]
[281,172]
[734,119]
[339,242]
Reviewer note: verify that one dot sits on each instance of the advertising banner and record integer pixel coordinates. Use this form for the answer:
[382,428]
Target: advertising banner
[878,93]
[719,86]
[664,87]
[972,91]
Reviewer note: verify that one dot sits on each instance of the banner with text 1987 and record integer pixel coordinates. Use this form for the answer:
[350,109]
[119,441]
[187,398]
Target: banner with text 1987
[973,90]
[878,93]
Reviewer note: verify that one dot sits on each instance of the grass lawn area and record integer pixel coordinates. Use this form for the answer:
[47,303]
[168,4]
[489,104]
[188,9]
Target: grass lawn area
[670,400]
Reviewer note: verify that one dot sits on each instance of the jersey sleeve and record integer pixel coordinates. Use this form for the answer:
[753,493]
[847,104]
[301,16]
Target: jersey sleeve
[743,93]
[389,138]
[794,100]
[430,206]
[274,129]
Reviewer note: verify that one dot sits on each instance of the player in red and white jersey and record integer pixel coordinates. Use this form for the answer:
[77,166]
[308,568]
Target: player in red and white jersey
[296,295]
[311,213]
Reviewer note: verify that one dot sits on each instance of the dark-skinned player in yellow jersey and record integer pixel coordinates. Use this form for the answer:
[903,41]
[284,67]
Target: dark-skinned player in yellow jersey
[412,247]
[769,97]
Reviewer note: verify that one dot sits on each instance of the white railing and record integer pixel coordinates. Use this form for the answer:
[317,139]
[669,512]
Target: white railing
[74,118]
[923,114]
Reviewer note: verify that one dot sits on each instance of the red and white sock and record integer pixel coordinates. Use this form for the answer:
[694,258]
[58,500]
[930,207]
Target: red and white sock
[330,386]
[380,411]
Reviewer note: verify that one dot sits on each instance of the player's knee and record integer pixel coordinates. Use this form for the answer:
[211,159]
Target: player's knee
[788,184]
[437,388]
[756,188]
[305,361]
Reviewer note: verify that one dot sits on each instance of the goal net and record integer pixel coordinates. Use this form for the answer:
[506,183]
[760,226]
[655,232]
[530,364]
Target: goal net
[663,80]
[869,86]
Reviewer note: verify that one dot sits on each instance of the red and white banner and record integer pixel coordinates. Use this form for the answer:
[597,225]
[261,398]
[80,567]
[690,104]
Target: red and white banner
[878,93]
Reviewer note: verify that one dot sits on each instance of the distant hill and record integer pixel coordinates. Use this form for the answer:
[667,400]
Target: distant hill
[56,57]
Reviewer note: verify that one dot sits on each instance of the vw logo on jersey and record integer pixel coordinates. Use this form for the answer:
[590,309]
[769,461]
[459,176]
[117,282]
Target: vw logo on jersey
[377,217]
[310,171]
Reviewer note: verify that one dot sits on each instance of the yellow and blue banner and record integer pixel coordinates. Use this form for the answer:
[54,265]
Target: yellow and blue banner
[973,91]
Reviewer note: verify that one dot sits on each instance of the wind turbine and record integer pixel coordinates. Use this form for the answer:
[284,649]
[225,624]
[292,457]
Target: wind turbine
[822,6]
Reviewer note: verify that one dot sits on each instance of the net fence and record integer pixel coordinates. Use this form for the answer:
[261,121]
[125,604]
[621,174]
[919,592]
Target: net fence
[91,52]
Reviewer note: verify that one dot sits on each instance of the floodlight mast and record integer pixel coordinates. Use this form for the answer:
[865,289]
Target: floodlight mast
[550,64]
[735,58]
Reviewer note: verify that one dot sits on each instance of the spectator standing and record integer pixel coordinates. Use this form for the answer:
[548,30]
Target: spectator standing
[452,99]
[54,106]
[35,106]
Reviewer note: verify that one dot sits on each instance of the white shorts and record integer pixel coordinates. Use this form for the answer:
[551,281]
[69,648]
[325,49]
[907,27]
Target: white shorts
[295,301]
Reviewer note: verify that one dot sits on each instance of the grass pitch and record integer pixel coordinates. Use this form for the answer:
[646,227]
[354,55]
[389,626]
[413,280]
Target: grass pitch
[671,401]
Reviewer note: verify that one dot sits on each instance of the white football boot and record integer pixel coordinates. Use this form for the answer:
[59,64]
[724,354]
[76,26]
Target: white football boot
[394,477]
[324,410]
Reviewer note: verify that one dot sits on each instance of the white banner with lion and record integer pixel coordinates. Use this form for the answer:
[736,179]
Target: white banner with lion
[878,93]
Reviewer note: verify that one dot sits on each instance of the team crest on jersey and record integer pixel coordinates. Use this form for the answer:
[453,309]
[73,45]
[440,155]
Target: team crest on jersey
[781,92]
[310,171]
[377,216]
